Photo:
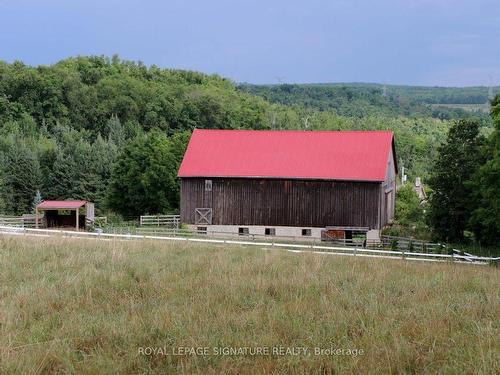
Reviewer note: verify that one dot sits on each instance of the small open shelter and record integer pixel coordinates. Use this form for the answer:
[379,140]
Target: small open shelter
[63,214]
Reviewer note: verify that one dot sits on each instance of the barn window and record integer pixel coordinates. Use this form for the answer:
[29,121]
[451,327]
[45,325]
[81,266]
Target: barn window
[242,231]
[306,232]
[270,231]
[201,230]
[208,185]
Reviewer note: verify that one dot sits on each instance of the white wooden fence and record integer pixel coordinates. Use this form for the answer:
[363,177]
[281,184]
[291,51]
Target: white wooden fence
[409,244]
[171,221]
[295,248]
[27,221]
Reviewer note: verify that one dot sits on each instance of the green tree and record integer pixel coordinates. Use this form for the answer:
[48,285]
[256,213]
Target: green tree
[99,166]
[409,215]
[2,187]
[451,202]
[80,170]
[21,178]
[144,177]
[115,131]
[408,210]
[485,220]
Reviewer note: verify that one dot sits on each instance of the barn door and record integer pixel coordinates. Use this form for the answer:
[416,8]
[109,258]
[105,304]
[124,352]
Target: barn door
[203,216]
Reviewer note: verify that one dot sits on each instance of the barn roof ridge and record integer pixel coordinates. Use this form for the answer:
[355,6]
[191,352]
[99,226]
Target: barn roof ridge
[293,131]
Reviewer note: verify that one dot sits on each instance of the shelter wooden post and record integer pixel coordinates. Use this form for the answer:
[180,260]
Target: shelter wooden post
[77,218]
[36,218]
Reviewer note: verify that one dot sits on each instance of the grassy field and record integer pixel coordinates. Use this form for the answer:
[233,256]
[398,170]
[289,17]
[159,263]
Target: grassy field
[74,306]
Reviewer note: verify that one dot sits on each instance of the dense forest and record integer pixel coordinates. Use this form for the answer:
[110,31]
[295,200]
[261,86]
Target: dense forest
[361,100]
[113,131]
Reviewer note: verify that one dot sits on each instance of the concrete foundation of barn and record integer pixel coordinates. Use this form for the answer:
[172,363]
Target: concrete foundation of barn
[297,233]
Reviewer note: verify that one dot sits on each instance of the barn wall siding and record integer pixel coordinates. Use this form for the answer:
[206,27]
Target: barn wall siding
[277,202]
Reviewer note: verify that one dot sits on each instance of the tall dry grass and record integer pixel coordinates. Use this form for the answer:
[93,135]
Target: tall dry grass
[74,306]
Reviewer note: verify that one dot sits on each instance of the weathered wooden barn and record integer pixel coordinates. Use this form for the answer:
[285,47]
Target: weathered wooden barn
[289,183]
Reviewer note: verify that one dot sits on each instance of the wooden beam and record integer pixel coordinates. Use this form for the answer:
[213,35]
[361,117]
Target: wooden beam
[36,218]
[77,219]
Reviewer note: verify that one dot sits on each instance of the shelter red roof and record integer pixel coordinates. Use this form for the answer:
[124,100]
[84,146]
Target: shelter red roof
[332,155]
[60,205]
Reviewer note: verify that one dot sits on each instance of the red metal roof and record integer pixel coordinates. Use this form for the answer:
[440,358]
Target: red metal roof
[332,155]
[60,205]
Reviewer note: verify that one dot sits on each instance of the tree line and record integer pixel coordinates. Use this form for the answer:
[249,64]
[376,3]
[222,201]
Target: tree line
[362,100]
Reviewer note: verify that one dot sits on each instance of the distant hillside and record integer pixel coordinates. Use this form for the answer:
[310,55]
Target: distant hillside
[366,99]
[433,94]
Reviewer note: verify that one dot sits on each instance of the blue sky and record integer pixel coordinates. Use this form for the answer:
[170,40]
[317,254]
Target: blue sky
[423,42]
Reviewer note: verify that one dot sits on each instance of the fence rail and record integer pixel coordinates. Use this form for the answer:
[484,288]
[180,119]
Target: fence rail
[355,242]
[296,248]
[171,221]
[169,231]
[410,244]
[19,221]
